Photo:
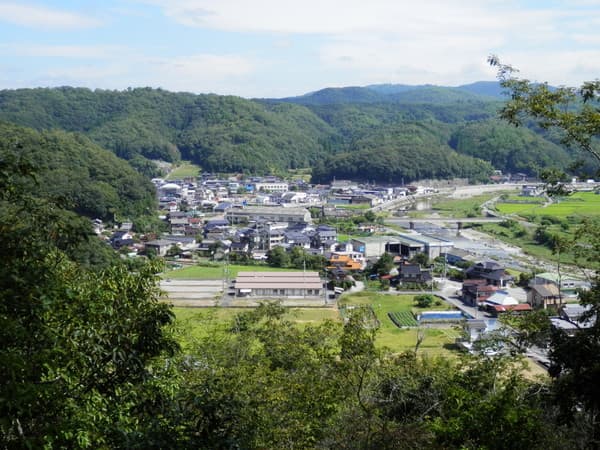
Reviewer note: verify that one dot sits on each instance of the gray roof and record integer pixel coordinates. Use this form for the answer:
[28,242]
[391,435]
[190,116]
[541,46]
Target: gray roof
[546,290]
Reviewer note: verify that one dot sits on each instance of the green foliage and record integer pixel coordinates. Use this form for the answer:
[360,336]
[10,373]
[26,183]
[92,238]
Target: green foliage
[437,134]
[507,148]
[420,258]
[87,179]
[383,265]
[424,300]
[79,361]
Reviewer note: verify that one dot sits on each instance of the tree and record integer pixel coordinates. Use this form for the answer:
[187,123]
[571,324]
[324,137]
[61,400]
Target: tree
[424,300]
[383,265]
[79,360]
[278,257]
[575,359]
[571,111]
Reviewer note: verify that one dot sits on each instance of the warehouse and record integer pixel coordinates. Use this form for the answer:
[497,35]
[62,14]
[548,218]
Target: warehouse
[279,284]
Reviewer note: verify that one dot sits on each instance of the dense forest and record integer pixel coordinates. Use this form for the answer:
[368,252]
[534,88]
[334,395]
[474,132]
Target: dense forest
[415,132]
[80,175]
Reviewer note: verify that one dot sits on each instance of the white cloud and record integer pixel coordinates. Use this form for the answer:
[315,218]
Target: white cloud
[331,17]
[63,51]
[428,41]
[200,73]
[223,74]
[37,16]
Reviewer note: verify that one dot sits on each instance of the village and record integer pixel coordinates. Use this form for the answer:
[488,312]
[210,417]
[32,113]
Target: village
[252,222]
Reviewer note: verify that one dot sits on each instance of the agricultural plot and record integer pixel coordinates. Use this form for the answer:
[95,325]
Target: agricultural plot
[580,204]
[403,319]
[436,341]
[184,170]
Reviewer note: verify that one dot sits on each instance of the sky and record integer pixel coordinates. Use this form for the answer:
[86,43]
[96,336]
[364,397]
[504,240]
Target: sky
[279,48]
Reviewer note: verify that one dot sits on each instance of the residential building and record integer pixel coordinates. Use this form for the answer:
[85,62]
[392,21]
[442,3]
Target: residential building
[490,271]
[568,284]
[543,295]
[476,292]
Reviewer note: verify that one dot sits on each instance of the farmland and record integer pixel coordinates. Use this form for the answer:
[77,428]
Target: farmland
[436,340]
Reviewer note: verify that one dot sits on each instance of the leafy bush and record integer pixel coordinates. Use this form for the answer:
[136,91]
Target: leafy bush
[424,300]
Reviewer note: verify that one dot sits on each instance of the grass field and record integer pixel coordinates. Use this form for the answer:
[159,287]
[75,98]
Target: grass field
[469,207]
[184,170]
[216,272]
[356,207]
[198,323]
[437,341]
[519,208]
[580,204]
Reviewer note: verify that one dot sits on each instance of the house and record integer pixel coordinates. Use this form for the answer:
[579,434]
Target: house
[121,238]
[178,225]
[413,273]
[216,226]
[159,246]
[239,247]
[222,207]
[279,284]
[344,262]
[532,190]
[98,226]
[568,284]
[297,239]
[490,271]
[574,313]
[294,197]
[475,330]
[476,292]
[324,236]
[501,301]
[543,295]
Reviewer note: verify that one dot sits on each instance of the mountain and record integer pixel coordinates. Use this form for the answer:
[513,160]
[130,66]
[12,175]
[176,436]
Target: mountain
[329,96]
[393,93]
[486,88]
[421,131]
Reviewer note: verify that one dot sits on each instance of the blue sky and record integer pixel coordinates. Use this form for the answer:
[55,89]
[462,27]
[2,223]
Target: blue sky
[277,48]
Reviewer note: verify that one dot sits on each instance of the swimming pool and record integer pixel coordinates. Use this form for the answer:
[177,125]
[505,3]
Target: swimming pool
[433,316]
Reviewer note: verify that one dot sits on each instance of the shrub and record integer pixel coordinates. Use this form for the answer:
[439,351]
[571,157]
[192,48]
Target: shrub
[424,300]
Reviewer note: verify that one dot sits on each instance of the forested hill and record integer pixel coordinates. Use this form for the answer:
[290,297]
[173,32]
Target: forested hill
[80,175]
[421,132]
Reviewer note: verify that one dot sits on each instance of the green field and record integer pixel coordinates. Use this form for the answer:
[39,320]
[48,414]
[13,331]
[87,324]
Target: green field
[217,272]
[184,170]
[437,340]
[580,204]
[519,208]
[355,207]
[585,204]
[198,323]
[469,207]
